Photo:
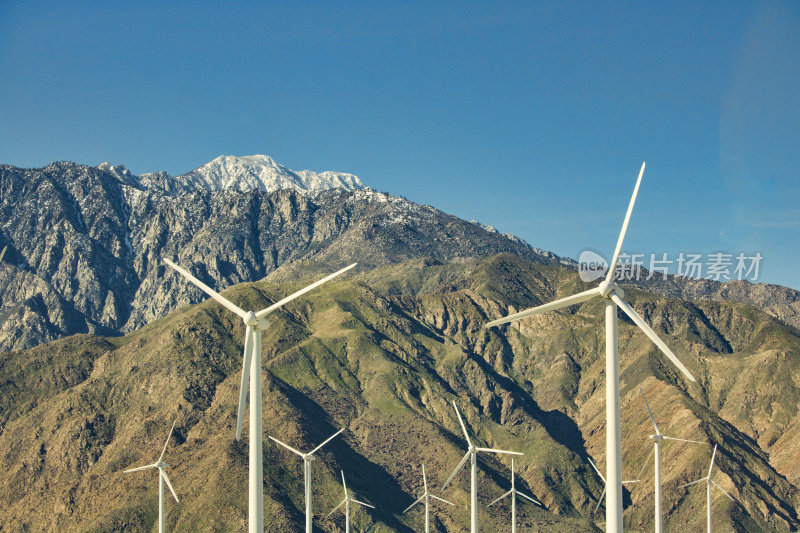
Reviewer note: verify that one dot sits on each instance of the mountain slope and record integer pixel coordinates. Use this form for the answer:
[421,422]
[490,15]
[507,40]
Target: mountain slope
[382,354]
[85,244]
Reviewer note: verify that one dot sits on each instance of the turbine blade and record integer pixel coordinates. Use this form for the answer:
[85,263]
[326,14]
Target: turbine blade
[3,252]
[335,508]
[529,498]
[650,412]
[164,474]
[298,452]
[713,455]
[284,301]
[498,499]
[424,478]
[644,465]
[413,504]
[312,452]
[139,468]
[603,495]
[464,460]
[494,450]
[612,266]
[558,304]
[167,441]
[441,500]
[362,503]
[245,383]
[723,491]
[208,290]
[463,427]
[683,440]
[596,469]
[344,484]
[639,321]
[693,483]
[631,481]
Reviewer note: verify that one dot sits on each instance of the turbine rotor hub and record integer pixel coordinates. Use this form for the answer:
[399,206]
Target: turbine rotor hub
[250,319]
[606,288]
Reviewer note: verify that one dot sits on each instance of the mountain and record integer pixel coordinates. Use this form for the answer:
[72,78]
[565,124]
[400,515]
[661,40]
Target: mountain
[243,173]
[382,353]
[85,243]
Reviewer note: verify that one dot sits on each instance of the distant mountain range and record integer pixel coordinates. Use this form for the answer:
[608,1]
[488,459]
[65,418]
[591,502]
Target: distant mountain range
[85,243]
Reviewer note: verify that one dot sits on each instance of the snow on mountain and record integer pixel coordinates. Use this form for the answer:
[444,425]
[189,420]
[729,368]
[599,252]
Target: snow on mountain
[240,174]
[262,172]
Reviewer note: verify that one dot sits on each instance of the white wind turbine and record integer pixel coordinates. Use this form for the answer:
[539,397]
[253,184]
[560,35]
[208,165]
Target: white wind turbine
[657,438]
[472,454]
[254,323]
[426,497]
[612,294]
[308,458]
[346,502]
[513,492]
[709,482]
[162,477]
[605,485]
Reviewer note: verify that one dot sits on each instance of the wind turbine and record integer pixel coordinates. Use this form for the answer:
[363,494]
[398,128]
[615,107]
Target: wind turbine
[426,497]
[307,460]
[162,477]
[472,454]
[605,485]
[254,323]
[612,295]
[513,492]
[346,502]
[657,438]
[709,481]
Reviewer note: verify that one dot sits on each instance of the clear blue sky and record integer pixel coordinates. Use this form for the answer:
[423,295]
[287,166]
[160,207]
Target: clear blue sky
[533,117]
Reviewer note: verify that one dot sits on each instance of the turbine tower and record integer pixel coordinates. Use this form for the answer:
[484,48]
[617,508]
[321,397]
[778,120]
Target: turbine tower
[162,477]
[308,458]
[709,482]
[612,295]
[472,454]
[605,485]
[513,492]
[426,497]
[657,438]
[254,323]
[346,502]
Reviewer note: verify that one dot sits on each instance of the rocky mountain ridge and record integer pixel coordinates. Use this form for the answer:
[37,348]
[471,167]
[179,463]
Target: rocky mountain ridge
[85,243]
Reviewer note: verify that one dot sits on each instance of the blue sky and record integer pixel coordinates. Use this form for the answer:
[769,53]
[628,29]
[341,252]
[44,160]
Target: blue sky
[533,117]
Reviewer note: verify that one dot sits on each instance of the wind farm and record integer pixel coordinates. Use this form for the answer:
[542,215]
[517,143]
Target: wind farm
[397,356]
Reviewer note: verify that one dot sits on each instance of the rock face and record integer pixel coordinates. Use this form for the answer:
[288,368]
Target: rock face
[382,353]
[85,243]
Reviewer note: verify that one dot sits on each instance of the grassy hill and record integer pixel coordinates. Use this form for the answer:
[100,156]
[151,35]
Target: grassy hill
[383,354]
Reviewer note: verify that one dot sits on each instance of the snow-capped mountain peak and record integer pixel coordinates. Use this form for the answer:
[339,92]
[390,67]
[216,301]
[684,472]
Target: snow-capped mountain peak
[238,173]
[262,172]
